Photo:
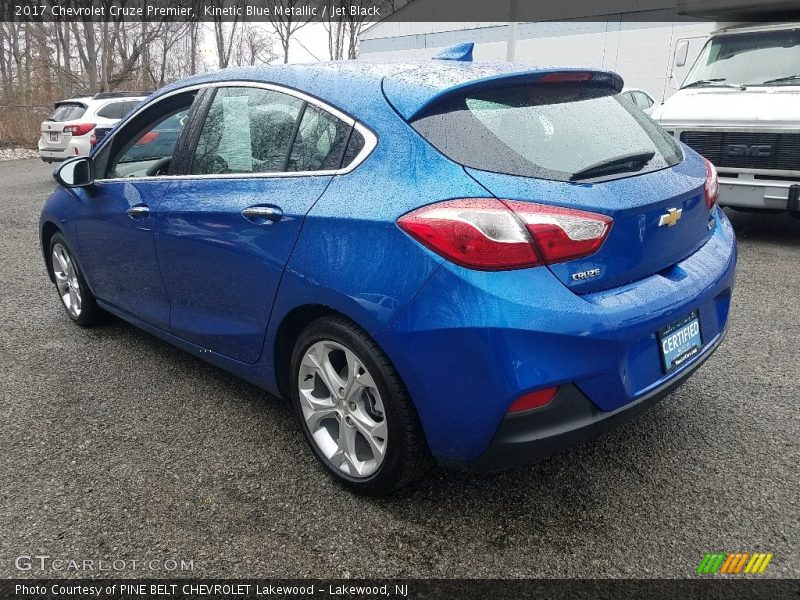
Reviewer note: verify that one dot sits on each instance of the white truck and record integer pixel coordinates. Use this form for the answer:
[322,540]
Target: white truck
[739,106]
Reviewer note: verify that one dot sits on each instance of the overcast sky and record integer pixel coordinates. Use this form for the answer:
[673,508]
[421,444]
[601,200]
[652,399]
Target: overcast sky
[308,44]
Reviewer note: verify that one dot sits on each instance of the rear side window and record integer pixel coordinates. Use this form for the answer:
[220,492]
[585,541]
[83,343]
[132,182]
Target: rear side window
[67,111]
[552,131]
[114,110]
[319,143]
[247,130]
[354,146]
[253,130]
[641,100]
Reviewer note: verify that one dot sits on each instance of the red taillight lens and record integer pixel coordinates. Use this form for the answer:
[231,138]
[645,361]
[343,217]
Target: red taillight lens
[531,400]
[562,234]
[712,185]
[80,129]
[494,235]
[565,77]
[148,137]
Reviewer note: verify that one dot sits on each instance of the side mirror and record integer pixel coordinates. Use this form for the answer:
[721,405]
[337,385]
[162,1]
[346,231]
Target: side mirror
[681,52]
[75,172]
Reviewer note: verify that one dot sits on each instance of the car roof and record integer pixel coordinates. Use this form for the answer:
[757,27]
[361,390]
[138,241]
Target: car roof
[357,87]
[89,99]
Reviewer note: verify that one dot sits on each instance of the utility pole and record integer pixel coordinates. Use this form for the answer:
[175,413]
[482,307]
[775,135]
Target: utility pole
[511,45]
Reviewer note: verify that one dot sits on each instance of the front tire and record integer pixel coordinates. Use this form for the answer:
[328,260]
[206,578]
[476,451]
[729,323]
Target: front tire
[354,409]
[71,287]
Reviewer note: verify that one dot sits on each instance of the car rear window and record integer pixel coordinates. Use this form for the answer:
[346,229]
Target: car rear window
[548,131]
[67,111]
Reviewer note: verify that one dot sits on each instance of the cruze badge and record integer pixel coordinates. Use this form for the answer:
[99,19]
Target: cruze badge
[673,216]
[585,274]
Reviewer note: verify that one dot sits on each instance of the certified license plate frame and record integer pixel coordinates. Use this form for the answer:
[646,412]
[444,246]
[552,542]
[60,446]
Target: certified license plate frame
[670,361]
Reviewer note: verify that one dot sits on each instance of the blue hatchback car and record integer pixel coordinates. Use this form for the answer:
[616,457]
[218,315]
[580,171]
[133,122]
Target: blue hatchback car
[479,263]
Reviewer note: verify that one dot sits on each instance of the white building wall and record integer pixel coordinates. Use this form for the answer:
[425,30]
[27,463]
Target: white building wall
[639,50]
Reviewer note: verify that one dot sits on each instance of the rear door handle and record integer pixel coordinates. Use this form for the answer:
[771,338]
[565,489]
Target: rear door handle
[139,211]
[263,215]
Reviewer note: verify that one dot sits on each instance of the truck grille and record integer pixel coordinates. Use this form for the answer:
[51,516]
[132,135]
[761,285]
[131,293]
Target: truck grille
[746,150]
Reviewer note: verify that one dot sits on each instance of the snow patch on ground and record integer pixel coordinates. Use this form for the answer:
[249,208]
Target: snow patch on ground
[17,153]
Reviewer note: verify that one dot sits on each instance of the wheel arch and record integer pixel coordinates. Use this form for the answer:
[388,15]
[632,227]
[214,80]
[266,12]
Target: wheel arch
[48,230]
[292,324]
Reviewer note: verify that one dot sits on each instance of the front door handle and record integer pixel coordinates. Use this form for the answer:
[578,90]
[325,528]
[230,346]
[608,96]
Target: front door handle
[263,215]
[139,211]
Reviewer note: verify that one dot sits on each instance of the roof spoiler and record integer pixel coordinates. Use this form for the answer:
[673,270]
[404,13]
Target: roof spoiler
[106,95]
[608,79]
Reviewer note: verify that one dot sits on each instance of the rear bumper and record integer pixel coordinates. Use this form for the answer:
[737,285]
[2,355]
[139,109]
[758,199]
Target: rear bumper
[75,147]
[745,191]
[472,342]
[569,419]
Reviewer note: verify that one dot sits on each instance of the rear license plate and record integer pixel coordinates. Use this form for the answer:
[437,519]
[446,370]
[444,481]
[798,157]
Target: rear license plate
[53,136]
[680,341]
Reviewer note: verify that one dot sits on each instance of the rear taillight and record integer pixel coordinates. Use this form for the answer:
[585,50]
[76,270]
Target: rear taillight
[533,400]
[495,235]
[80,129]
[712,185]
[148,137]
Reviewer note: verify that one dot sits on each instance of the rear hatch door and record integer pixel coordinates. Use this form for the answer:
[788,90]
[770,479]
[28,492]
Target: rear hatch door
[52,130]
[568,139]
[641,241]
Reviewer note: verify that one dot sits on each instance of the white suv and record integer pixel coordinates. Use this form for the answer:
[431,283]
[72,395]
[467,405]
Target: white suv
[68,130]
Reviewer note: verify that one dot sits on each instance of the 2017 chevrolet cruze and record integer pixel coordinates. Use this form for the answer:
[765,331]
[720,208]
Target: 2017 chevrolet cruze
[480,263]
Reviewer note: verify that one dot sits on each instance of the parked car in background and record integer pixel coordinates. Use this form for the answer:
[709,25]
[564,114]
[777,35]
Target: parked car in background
[640,98]
[70,128]
[739,107]
[483,262]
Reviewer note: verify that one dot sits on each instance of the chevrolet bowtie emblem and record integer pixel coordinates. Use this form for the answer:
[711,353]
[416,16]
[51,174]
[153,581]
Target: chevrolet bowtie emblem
[673,216]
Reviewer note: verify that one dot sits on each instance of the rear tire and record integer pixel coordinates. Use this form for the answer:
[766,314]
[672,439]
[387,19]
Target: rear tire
[76,298]
[354,409]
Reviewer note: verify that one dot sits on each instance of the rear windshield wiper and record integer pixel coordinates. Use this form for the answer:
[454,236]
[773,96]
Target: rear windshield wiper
[782,79]
[623,163]
[716,82]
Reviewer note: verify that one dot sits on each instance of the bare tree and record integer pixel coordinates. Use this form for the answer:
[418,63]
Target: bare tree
[285,23]
[224,33]
[253,46]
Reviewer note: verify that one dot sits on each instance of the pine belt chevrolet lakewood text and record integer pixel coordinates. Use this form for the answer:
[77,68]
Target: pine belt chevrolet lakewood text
[479,263]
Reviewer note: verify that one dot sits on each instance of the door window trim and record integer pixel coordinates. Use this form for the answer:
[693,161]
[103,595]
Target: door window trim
[370,138]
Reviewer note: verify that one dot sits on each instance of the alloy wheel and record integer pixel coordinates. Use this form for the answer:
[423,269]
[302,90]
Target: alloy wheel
[342,409]
[67,280]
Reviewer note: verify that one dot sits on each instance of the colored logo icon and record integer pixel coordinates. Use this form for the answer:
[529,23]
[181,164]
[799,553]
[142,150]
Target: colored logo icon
[734,563]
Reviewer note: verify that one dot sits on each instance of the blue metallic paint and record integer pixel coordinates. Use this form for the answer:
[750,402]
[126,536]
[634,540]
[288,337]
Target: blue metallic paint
[466,343]
[222,271]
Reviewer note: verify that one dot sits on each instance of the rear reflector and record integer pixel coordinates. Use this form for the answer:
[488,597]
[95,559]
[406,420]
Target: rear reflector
[494,235]
[532,400]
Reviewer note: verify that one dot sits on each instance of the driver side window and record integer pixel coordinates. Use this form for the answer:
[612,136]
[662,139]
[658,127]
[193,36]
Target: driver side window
[145,146]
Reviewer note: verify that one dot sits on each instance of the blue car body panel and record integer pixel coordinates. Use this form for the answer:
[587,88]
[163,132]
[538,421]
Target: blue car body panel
[466,343]
[117,253]
[221,270]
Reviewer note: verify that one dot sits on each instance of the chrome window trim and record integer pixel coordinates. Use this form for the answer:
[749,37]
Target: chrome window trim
[370,138]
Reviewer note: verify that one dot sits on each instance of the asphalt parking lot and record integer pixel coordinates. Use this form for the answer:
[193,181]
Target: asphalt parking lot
[116,445]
